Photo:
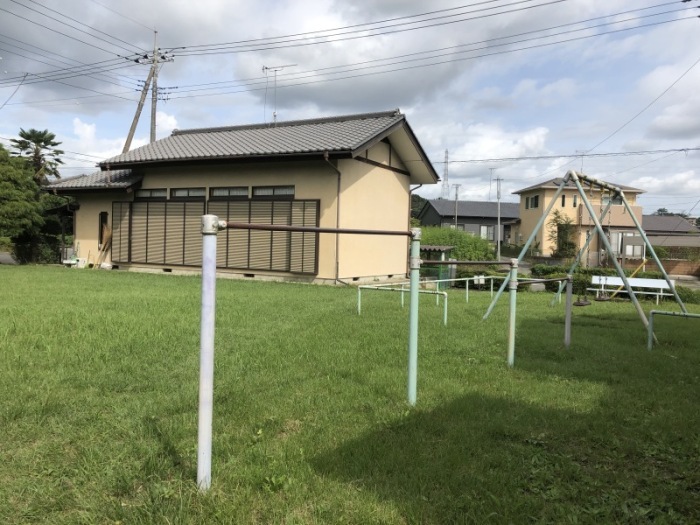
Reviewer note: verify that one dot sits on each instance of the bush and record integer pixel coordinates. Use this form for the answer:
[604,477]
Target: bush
[687,295]
[467,247]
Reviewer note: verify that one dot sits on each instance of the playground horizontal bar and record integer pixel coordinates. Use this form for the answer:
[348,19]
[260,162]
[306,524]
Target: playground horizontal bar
[313,229]
[553,280]
[464,263]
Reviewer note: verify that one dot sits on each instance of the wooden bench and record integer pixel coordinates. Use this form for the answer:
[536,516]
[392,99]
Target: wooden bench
[607,284]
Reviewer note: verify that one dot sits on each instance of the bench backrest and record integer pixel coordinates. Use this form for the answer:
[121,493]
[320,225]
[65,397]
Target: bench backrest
[635,282]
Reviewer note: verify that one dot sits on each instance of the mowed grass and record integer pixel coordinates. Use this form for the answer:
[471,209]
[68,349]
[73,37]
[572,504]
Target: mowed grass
[98,413]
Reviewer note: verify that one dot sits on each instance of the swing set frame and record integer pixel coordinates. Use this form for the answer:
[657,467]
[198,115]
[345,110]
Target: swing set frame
[615,191]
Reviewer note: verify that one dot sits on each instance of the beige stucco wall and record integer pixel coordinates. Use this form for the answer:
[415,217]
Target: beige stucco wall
[616,218]
[86,225]
[373,198]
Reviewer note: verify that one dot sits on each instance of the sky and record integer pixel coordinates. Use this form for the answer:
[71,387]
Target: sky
[517,90]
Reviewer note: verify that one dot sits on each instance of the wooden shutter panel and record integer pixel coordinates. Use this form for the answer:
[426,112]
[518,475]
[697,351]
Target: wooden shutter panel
[193,233]
[121,214]
[155,246]
[238,240]
[139,222]
[175,234]
[279,250]
[260,241]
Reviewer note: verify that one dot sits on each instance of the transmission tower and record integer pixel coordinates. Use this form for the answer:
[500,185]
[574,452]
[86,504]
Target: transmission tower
[445,183]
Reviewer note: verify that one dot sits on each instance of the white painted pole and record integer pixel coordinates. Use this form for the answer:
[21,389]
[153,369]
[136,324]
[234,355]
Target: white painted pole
[414,265]
[513,291]
[567,319]
[210,227]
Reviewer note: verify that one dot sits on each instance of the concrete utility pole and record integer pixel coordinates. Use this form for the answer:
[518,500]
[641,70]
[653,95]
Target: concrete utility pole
[445,183]
[498,213]
[457,186]
[151,81]
[154,90]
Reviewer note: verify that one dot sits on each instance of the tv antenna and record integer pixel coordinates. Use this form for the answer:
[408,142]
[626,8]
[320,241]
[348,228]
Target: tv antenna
[274,69]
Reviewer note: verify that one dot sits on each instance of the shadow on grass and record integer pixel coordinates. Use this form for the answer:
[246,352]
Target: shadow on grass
[631,457]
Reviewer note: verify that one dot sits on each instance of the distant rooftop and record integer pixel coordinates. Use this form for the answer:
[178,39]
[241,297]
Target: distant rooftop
[113,179]
[556,182]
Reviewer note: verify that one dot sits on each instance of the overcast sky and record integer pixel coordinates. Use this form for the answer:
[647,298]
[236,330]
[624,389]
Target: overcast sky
[565,81]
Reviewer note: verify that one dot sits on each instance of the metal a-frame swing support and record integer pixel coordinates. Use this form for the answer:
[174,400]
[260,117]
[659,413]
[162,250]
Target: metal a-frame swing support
[576,178]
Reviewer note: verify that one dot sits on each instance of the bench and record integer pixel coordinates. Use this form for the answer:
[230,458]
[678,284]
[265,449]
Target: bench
[604,284]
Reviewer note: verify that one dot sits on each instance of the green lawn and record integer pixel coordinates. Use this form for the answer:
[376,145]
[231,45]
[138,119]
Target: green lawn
[98,418]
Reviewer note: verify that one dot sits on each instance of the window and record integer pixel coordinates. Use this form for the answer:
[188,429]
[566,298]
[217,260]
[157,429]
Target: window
[575,201]
[188,194]
[563,201]
[535,201]
[155,194]
[487,232]
[527,203]
[273,192]
[104,217]
[231,193]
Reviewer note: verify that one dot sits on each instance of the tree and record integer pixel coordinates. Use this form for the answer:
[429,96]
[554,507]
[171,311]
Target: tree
[417,203]
[39,148]
[662,211]
[561,233]
[20,208]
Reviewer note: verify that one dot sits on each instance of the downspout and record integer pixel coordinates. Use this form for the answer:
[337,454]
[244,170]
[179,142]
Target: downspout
[337,219]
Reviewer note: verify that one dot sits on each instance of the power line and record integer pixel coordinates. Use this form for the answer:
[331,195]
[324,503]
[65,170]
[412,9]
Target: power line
[574,155]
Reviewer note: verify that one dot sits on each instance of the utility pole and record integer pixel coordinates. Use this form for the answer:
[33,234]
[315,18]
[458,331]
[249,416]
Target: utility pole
[498,213]
[151,81]
[134,122]
[154,90]
[456,186]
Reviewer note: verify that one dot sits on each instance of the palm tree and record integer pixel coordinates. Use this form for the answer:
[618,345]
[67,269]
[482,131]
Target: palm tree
[39,147]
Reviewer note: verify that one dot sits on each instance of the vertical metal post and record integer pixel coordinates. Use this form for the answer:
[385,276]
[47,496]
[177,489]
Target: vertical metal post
[650,331]
[569,301]
[414,265]
[210,227]
[359,300]
[513,290]
[444,310]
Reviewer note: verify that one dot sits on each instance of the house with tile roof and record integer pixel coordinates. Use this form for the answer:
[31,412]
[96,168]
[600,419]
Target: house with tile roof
[617,223]
[341,172]
[477,217]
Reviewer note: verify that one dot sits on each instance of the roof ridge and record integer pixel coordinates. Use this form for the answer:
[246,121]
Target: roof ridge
[289,123]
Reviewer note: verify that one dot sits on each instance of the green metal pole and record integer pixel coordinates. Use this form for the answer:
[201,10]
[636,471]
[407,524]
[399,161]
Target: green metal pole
[567,318]
[513,290]
[414,265]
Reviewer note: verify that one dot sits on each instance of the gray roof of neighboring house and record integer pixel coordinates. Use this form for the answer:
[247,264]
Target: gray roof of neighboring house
[667,223]
[114,179]
[556,182]
[344,136]
[445,207]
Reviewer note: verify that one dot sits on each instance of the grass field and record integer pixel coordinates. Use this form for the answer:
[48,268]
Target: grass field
[98,418]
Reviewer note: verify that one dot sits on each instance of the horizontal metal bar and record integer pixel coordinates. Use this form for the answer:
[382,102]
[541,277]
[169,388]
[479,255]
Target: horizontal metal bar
[553,280]
[465,263]
[599,183]
[313,229]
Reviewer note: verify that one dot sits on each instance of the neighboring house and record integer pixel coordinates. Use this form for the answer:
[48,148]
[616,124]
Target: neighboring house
[342,172]
[671,231]
[617,224]
[477,217]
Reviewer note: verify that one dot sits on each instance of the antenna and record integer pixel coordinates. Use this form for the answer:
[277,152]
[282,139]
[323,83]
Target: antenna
[445,183]
[274,69]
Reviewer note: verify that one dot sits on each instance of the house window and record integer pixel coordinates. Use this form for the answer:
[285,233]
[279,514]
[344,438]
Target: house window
[273,192]
[535,201]
[527,203]
[486,232]
[231,193]
[563,201]
[160,194]
[188,194]
[575,201]
[103,218]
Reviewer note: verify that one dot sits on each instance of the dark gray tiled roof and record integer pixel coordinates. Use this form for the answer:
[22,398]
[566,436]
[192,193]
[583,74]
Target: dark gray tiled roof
[446,207]
[115,179]
[667,223]
[336,134]
[556,182]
